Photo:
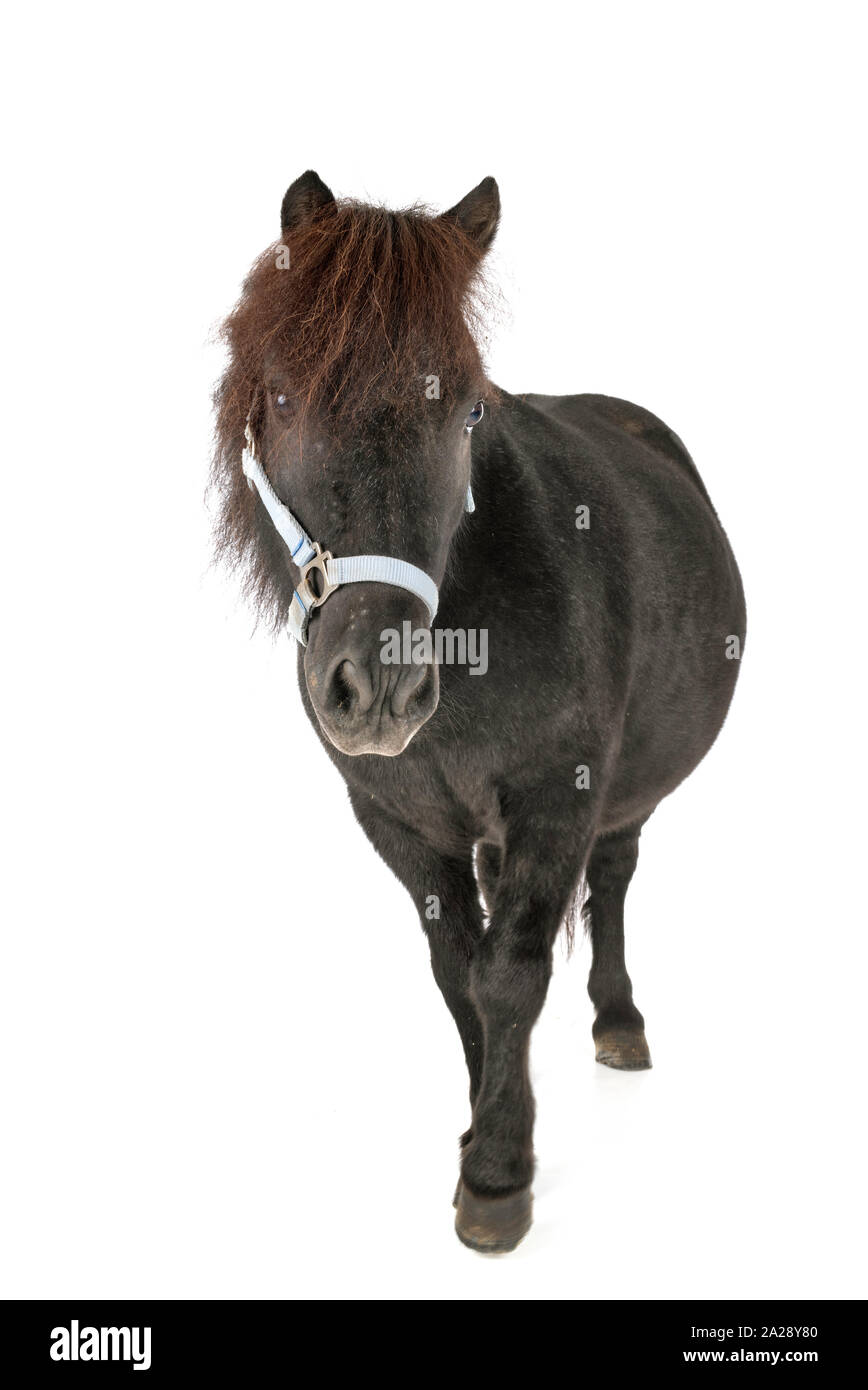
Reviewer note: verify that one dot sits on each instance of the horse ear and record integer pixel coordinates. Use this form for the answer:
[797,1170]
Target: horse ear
[479,213]
[302,199]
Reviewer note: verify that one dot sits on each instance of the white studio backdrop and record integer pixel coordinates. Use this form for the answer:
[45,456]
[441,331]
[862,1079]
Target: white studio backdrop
[226,1070]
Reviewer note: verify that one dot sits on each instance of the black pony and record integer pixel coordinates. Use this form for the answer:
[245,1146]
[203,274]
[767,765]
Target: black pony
[590,624]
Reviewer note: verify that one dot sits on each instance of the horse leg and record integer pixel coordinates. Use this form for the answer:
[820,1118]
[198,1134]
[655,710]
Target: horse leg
[509,977]
[447,899]
[619,1028]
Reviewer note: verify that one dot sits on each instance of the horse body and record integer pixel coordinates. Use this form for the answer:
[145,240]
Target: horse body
[596,564]
[607,644]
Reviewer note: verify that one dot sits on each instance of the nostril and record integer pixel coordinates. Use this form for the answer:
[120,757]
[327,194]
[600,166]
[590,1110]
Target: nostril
[350,688]
[410,685]
[344,689]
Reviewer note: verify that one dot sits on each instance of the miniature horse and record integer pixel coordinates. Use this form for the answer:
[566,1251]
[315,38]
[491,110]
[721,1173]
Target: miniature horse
[355,415]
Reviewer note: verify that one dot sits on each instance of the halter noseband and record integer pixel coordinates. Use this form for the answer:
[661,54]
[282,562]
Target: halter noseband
[312,560]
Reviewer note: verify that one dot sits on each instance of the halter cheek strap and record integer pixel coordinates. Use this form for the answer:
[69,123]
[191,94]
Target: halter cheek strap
[321,573]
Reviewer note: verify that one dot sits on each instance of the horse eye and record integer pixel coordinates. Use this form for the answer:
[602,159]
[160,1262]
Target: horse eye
[475,415]
[281,401]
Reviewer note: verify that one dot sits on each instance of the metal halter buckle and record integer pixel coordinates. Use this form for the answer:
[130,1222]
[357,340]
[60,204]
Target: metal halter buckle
[318,563]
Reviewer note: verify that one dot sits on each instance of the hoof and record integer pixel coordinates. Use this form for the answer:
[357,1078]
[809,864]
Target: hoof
[492,1225]
[623,1050]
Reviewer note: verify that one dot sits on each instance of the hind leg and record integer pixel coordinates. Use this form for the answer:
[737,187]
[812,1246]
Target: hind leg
[619,1028]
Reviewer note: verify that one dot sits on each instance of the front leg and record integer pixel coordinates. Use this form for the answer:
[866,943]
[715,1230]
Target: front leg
[446,895]
[509,978]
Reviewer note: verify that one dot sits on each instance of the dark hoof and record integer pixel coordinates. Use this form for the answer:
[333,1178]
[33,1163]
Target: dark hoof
[492,1225]
[624,1050]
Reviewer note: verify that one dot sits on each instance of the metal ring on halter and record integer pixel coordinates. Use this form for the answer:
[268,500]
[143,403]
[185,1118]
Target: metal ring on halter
[319,564]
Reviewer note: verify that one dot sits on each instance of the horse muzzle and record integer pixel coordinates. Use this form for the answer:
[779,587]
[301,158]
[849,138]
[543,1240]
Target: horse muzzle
[364,702]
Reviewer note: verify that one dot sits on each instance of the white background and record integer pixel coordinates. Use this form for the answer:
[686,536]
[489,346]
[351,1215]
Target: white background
[225,1069]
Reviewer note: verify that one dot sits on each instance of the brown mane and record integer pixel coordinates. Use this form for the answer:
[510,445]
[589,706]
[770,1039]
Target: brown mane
[373,301]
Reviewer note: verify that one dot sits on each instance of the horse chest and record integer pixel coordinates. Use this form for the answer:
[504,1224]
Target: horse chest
[449,809]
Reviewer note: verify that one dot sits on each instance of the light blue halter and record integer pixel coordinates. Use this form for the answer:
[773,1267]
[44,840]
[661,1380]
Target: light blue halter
[310,558]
